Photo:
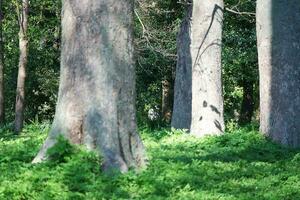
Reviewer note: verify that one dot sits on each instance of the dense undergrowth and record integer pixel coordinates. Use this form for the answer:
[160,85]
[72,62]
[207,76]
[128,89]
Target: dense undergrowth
[238,165]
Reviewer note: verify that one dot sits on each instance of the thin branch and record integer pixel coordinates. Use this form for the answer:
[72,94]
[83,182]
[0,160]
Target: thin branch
[240,13]
[141,22]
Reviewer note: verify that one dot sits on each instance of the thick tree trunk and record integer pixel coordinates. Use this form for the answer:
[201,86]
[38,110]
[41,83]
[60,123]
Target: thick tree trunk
[96,103]
[198,89]
[207,95]
[278,33]
[23,45]
[2,113]
[247,108]
[182,106]
[166,106]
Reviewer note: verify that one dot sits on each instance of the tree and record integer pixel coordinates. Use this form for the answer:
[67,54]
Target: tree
[182,106]
[23,45]
[278,33]
[166,102]
[1,67]
[96,100]
[198,103]
[247,107]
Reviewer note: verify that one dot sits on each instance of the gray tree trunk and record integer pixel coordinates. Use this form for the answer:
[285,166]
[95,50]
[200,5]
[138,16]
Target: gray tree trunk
[198,88]
[182,106]
[23,45]
[2,112]
[278,33]
[96,101]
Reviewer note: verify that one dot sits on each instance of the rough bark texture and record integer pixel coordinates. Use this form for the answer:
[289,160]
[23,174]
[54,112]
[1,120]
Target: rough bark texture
[198,89]
[278,32]
[96,103]
[2,114]
[182,106]
[23,45]
[247,108]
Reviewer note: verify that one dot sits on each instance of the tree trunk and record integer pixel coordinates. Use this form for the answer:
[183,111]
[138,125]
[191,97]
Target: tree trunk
[278,33]
[247,107]
[166,105]
[23,45]
[96,101]
[2,112]
[198,88]
[182,106]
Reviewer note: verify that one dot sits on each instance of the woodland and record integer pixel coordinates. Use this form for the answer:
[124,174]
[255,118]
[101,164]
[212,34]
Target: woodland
[150,99]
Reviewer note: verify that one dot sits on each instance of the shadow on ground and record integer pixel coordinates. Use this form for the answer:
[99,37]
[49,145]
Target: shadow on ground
[238,165]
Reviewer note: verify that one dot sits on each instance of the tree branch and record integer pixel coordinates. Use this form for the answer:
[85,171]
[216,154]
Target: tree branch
[240,13]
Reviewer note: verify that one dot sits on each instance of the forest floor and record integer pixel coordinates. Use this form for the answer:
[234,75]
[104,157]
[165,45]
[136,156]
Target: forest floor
[238,165]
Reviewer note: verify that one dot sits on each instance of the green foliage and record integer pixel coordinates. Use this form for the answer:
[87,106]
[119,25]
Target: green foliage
[61,150]
[238,165]
[157,23]
[156,27]
[239,56]
[43,61]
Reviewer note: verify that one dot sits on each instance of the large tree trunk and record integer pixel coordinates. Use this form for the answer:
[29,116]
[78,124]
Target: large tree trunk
[23,43]
[278,32]
[247,107]
[198,89]
[207,95]
[182,106]
[96,103]
[2,113]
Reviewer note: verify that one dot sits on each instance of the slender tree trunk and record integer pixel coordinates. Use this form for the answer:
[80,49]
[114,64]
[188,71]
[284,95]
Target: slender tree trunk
[198,88]
[2,112]
[247,108]
[278,33]
[166,106]
[96,101]
[23,45]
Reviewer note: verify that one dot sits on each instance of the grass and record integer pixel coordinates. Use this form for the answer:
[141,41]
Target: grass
[238,165]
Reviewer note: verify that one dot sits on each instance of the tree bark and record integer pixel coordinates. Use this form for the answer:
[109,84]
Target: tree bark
[96,101]
[23,45]
[182,106]
[247,107]
[278,33]
[2,111]
[198,89]
[166,105]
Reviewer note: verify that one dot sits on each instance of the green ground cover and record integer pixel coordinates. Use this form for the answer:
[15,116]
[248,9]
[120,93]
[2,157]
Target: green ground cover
[239,165]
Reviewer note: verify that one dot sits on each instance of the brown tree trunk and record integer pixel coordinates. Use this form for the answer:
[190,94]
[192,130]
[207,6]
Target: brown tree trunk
[96,101]
[166,106]
[198,104]
[2,112]
[278,33]
[247,108]
[23,45]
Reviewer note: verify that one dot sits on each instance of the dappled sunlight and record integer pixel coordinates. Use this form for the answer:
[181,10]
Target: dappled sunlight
[238,165]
